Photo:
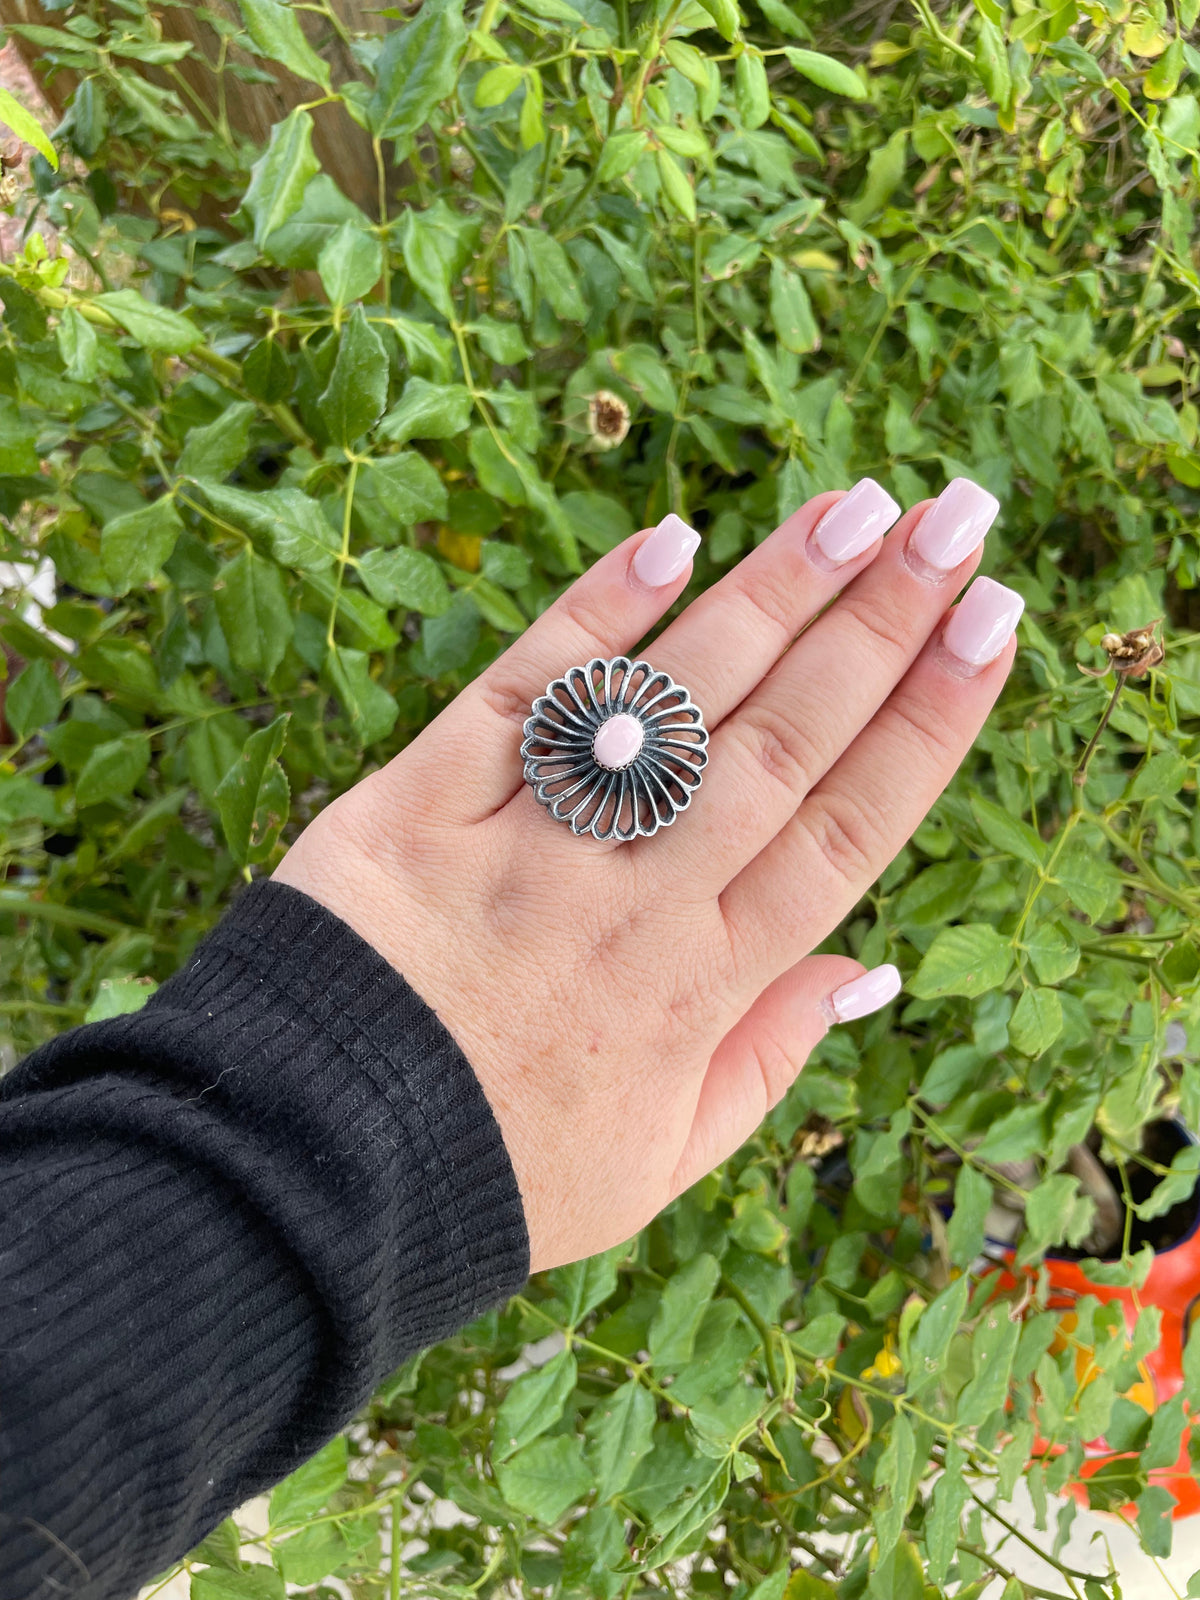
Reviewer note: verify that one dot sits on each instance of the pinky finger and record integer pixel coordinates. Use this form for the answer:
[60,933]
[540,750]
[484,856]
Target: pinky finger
[760,1057]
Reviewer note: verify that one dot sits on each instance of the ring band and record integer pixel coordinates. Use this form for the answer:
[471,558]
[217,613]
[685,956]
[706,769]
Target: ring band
[615,749]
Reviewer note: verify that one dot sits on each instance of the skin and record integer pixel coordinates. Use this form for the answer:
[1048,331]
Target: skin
[632,1011]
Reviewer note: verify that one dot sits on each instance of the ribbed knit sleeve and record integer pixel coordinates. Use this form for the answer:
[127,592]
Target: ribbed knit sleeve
[223,1220]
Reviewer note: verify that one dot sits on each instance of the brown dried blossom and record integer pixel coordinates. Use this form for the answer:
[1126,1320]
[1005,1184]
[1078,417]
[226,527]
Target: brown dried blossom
[608,419]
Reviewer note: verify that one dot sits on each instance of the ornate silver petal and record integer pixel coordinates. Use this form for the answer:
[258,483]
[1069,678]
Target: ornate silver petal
[640,798]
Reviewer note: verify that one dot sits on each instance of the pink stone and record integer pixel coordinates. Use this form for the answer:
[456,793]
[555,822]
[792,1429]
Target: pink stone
[617,741]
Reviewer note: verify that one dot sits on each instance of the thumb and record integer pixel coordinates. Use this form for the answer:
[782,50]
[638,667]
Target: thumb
[758,1060]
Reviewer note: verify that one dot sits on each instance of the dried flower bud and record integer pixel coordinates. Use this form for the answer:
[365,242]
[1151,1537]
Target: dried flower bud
[1130,654]
[608,419]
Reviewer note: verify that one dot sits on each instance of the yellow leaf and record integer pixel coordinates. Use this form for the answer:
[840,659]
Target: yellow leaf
[815,261]
[460,549]
[1144,37]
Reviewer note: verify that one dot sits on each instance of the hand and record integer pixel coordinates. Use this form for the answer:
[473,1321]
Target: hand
[633,1010]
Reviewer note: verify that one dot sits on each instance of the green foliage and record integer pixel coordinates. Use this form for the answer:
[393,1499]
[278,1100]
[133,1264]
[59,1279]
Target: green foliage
[304,477]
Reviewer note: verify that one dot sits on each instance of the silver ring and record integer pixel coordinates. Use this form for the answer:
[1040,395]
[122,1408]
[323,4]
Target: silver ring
[615,749]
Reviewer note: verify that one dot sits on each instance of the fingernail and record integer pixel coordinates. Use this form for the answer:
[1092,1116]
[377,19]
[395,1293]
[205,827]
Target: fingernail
[954,525]
[854,524]
[982,622]
[862,995]
[666,552]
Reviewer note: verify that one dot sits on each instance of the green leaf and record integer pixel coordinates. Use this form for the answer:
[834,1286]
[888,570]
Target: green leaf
[1037,1021]
[1161,82]
[678,192]
[582,1286]
[427,411]
[752,93]
[972,1202]
[153,326]
[371,709]
[533,1403]
[280,176]
[1088,880]
[429,257]
[496,607]
[250,1583]
[311,1486]
[621,153]
[885,171]
[22,799]
[222,1547]
[215,449]
[1177,1185]
[26,126]
[33,699]
[357,391]
[937,895]
[991,62]
[497,83]
[827,73]
[118,997]
[266,372]
[554,274]
[1015,1135]
[504,564]
[942,1526]
[253,799]
[1007,833]
[1155,1507]
[929,1343]
[969,960]
[1053,951]
[726,15]
[350,263]
[406,486]
[621,1430]
[417,68]
[134,547]
[1166,1435]
[294,527]
[252,605]
[18,453]
[112,770]
[791,310]
[546,1478]
[502,341]
[1161,777]
[599,521]
[993,1348]
[322,210]
[821,1337]
[404,577]
[275,29]
[681,1309]
[77,345]
[316,1551]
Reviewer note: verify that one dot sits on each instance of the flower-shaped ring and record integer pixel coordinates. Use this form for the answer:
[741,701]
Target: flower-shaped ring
[615,749]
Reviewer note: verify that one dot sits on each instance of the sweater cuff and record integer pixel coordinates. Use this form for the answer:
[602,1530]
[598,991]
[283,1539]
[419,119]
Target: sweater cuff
[328,1101]
[374,1071]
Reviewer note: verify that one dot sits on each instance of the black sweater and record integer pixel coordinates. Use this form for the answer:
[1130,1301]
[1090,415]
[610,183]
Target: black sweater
[223,1221]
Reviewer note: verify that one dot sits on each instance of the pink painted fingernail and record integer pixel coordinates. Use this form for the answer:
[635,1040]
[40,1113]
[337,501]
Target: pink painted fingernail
[954,525]
[862,995]
[854,524]
[982,622]
[666,552]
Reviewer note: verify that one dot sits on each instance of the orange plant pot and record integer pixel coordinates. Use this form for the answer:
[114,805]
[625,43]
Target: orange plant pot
[1173,1286]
